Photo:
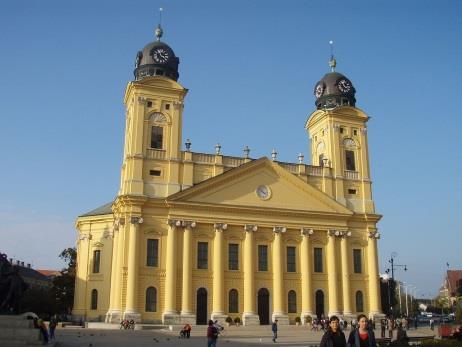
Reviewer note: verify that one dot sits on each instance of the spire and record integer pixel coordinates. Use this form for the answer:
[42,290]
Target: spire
[332,61]
[159,32]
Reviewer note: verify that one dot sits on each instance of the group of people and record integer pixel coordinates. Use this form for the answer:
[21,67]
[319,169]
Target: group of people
[46,333]
[361,336]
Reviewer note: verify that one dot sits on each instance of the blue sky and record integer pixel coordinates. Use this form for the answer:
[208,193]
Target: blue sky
[250,67]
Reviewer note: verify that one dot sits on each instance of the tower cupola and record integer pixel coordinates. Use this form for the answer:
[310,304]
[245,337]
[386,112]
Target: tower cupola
[156,59]
[334,89]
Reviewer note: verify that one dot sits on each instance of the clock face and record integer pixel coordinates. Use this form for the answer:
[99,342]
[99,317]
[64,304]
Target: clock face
[263,192]
[344,86]
[319,90]
[160,55]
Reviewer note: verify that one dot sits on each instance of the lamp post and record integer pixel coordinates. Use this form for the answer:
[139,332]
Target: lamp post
[392,268]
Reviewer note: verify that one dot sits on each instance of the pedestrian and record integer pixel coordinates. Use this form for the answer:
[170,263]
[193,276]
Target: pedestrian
[416,322]
[334,336]
[52,327]
[212,335]
[401,335]
[432,324]
[383,323]
[43,330]
[390,328]
[363,336]
[274,329]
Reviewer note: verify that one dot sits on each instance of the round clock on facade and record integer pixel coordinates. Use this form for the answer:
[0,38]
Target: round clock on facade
[344,86]
[319,90]
[263,192]
[160,55]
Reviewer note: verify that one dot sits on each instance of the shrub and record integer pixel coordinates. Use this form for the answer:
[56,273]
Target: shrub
[237,320]
[228,319]
[297,320]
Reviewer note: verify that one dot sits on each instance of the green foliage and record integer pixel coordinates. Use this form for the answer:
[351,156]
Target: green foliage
[458,311]
[63,286]
[237,320]
[228,319]
[297,320]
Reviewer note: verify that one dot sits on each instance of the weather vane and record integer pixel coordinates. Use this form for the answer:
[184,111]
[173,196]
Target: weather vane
[332,61]
[159,30]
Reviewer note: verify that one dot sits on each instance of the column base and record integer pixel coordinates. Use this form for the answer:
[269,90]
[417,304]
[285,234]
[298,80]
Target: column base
[171,318]
[307,317]
[132,314]
[348,316]
[188,318]
[250,318]
[113,316]
[282,318]
[220,317]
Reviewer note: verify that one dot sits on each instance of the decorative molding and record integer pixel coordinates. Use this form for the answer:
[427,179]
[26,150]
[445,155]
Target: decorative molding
[85,237]
[348,142]
[136,220]
[98,244]
[188,224]
[158,117]
[142,100]
[373,234]
[174,223]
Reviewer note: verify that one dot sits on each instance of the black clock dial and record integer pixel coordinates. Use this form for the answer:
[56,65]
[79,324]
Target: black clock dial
[160,55]
[344,86]
[319,90]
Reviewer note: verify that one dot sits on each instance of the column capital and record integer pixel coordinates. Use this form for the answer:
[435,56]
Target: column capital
[174,222]
[373,234]
[118,223]
[345,233]
[136,220]
[188,224]
[333,233]
[306,232]
[279,229]
[220,226]
[250,227]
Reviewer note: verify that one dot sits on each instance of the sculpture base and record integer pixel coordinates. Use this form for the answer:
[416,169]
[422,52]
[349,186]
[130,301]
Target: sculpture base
[187,318]
[282,318]
[220,317]
[113,316]
[249,318]
[171,318]
[132,315]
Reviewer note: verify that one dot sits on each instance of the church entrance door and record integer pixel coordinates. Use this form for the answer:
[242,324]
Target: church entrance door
[263,306]
[320,304]
[201,306]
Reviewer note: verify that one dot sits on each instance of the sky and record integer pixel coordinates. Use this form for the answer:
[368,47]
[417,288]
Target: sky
[250,67]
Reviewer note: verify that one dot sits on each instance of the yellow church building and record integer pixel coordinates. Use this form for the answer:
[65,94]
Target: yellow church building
[193,236]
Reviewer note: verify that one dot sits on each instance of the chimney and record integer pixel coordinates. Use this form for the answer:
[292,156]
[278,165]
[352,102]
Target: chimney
[11,260]
[18,262]
[28,266]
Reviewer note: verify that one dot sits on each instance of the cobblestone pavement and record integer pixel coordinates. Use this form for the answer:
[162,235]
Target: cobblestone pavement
[291,336]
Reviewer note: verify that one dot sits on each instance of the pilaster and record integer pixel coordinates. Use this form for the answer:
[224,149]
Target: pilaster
[249,317]
[278,280]
[218,312]
[306,280]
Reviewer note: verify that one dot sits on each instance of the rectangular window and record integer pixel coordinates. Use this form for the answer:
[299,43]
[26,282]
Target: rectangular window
[357,266]
[262,258]
[352,191]
[291,259]
[233,256]
[152,252]
[350,160]
[155,172]
[149,103]
[157,136]
[318,260]
[202,255]
[96,261]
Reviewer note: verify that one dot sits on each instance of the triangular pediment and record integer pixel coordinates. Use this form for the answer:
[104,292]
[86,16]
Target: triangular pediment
[238,187]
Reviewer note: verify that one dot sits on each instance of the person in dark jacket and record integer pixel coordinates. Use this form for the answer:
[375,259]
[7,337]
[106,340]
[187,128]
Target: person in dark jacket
[274,329]
[363,335]
[334,336]
[212,335]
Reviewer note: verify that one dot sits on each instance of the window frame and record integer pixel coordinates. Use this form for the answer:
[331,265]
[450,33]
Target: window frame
[292,301]
[153,300]
[262,261]
[94,300]
[233,301]
[350,160]
[233,261]
[154,141]
[293,261]
[357,261]
[155,256]
[202,255]
[318,264]
[96,261]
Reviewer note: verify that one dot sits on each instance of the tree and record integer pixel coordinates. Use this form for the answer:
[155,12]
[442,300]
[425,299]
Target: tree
[63,285]
[388,296]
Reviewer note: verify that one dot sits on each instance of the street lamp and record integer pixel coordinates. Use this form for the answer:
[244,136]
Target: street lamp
[387,278]
[392,267]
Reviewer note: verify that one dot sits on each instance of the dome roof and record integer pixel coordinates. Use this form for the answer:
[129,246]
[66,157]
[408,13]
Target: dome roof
[334,89]
[156,59]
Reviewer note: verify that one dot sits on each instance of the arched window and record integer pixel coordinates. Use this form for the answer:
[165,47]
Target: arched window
[292,302]
[233,301]
[359,301]
[151,299]
[94,300]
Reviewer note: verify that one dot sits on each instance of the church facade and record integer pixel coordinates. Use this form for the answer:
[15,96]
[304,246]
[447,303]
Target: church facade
[193,236]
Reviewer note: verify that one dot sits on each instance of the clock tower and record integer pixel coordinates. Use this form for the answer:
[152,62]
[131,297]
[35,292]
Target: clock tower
[154,108]
[338,134]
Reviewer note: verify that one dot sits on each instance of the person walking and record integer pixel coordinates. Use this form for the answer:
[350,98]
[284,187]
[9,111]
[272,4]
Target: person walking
[334,336]
[274,329]
[52,327]
[212,335]
[363,336]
